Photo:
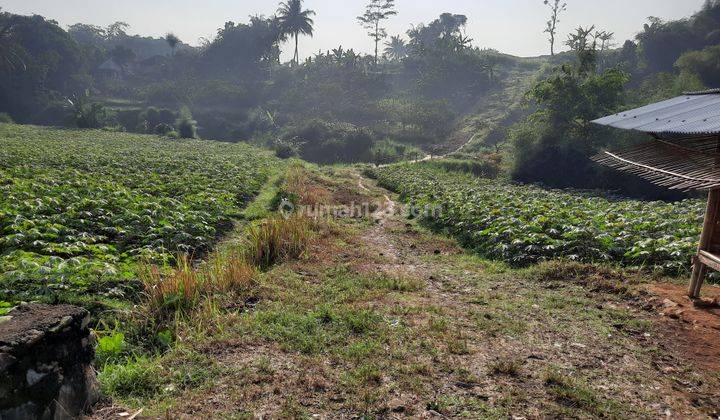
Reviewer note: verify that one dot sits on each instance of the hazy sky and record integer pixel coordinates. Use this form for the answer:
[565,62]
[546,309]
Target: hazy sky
[511,26]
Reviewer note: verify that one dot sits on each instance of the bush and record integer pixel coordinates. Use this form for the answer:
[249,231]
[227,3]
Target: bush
[186,126]
[285,149]
[91,115]
[388,151]
[425,120]
[151,118]
[705,64]
[163,129]
[323,142]
[5,118]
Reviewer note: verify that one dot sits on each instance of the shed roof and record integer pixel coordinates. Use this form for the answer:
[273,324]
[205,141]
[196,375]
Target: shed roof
[694,113]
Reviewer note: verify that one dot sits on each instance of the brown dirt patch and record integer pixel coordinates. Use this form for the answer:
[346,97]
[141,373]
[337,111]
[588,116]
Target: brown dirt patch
[692,327]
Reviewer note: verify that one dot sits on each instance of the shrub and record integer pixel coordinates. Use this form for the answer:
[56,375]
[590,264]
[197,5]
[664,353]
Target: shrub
[285,149]
[324,142]
[90,115]
[151,118]
[705,64]
[186,126]
[5,118]
[429,120]
[485,167]
[163,129]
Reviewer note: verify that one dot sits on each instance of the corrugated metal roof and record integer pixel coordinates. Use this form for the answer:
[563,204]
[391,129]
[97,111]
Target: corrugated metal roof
[692,113]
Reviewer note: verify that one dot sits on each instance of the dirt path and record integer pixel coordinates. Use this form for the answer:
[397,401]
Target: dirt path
[385,319]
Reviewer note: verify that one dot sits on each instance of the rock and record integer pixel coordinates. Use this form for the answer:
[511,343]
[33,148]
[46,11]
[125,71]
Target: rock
[669,303]
[6,360]
[396,406]
[46,354]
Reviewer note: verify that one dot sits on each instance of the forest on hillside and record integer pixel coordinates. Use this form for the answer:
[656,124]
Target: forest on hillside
[429,90]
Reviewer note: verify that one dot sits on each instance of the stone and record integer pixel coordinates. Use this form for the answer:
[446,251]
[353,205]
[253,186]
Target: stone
[46,356]
[32,377]
[6,360]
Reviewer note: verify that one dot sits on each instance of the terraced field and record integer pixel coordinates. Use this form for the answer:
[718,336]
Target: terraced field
[80,209]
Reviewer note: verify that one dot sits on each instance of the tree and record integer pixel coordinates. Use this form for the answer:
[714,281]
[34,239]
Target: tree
[172,41]
[555,9]
[9,58]
[375,12]
[584,44]
[117,30]
[705,64]
[87,34]
[294,21]
[122,55]
[396,49]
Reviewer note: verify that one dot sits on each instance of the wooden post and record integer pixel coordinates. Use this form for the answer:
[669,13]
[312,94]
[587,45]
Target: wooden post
[700,269]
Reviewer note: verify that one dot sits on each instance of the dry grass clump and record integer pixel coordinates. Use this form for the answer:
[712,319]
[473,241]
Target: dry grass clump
[184,286]
[277,240]
[299,184]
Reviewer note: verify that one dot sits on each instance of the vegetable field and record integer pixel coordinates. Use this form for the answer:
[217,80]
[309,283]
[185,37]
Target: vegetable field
[79,209]
[526,224]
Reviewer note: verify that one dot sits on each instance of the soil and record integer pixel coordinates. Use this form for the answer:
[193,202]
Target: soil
[477,341]
[692,326]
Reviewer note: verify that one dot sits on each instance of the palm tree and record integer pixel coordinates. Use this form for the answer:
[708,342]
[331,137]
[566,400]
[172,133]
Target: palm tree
[396,49]
[172,41]
[295,21]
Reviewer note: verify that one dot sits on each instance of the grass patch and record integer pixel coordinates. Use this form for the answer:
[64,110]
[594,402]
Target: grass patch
[577,396]
[506,366]
[318,331]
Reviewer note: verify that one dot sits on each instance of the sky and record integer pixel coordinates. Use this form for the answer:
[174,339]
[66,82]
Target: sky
[510,26]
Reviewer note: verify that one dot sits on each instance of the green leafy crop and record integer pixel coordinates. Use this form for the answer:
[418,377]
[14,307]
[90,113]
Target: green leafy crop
[79,209]
[523,224]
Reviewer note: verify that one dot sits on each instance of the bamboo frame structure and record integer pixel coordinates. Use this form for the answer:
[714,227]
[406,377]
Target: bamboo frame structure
[683,163]
[684,155]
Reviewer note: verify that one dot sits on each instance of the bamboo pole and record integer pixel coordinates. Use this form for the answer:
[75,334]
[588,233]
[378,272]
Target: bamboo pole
[699,269]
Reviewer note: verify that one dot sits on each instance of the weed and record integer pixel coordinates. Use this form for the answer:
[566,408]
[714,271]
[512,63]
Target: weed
[263,365]
[276,240]
[177,289]
[291,409]
[137,377]
[308,193]
[506,366]
[398,283]
[438,324]
[457,344]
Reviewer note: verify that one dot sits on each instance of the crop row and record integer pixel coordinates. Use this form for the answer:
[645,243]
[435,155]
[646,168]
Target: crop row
[79,209]
[522,224]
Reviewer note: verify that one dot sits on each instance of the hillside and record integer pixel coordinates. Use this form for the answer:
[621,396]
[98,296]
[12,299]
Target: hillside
[484,125]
